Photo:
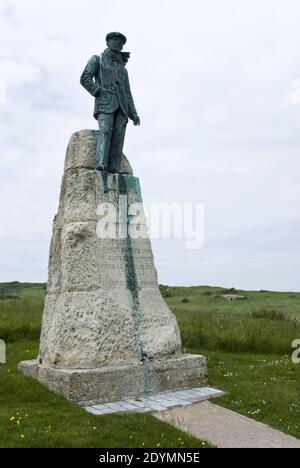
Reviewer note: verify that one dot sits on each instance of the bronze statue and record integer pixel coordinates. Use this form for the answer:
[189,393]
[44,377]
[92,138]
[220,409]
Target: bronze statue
[106,78]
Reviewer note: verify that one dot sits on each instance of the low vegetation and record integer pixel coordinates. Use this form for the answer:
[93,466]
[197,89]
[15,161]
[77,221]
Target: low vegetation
[265,323]
[32,416]
[247,343]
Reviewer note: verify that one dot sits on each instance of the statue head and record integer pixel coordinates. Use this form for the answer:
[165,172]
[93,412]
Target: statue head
[115,41]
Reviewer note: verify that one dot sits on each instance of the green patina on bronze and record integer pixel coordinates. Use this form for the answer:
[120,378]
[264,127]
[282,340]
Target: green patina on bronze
[106,79]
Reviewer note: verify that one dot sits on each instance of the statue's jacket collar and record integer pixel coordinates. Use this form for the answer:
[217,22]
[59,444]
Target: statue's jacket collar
[110,58]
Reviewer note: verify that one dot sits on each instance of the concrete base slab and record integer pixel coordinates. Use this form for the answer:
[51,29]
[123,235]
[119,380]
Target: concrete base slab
[114,383]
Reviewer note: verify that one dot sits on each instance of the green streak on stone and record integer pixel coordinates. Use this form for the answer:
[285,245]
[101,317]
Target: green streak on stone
[125,185]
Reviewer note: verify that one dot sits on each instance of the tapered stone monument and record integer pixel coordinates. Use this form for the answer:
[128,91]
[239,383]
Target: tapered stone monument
[107,333]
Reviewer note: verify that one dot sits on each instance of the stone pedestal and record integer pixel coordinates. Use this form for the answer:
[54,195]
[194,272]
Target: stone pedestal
[107,333]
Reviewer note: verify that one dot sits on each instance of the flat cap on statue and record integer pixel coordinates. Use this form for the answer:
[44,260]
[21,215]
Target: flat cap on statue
[116,34]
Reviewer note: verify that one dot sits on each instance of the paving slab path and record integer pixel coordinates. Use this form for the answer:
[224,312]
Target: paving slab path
[154,403]
[226,429]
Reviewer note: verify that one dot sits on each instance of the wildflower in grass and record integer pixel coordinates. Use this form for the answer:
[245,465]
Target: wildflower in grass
[22,436]
[158,444]
[12,418]
[254,412]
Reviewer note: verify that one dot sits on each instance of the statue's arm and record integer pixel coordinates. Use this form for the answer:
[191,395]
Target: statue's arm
[88,75]
[133,115]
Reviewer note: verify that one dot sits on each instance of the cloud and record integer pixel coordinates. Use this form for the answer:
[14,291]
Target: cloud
[213,82]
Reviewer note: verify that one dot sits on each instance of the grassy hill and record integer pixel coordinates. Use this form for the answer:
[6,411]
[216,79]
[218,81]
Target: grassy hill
[247,343]
[263,321]
[209,299]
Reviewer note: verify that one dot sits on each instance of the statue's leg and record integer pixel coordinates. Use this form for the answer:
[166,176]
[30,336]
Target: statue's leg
[106,122]
[117,141]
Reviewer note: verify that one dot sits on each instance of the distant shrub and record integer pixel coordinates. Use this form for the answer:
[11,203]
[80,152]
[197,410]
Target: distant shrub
[9,291]
[165,291]
[3,297]
[270,314]
[229,291]
[166,294]
[185,300]
[207,293]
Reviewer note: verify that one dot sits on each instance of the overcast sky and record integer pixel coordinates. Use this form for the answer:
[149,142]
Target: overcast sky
[215,84]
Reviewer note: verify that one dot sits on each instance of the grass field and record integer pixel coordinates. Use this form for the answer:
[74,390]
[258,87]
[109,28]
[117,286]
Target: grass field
[32,416]
[247,342]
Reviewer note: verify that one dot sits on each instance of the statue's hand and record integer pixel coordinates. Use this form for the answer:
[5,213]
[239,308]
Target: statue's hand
[101,90]
[136,121]
[98,92]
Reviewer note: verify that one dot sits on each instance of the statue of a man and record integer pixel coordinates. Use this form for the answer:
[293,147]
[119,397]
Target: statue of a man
[106,78]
